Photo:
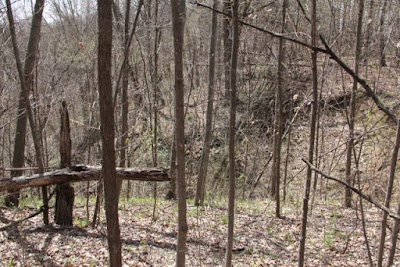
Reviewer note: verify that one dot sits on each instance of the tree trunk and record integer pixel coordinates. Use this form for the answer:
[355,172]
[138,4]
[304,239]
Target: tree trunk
[26,80]
[313,120]
[178,9]
[171,194]
[64,192]
[201,179]
[232,124]
[108,172]
[27,85]
[350,140]
[389,190]
[382,41]
[278,121]
[227,47]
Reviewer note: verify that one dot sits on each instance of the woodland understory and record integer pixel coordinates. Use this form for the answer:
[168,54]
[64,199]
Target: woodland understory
[257,90]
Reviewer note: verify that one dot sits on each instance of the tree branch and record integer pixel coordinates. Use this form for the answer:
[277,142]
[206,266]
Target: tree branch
[355,190]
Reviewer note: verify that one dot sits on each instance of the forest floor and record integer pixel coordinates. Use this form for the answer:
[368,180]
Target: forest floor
[334,235]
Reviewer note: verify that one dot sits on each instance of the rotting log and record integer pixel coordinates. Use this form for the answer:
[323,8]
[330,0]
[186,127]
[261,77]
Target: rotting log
[80,173]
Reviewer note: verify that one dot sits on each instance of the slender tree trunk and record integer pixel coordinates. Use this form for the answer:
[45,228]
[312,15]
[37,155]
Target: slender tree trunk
[171,194]
[312,134]
[125,99]
[389,190]
[26,79]
[369,31]
[108,172]
[232,123]
[278,120]
[350,141]
[382,41]
[178,25]
[155,78]
[201,179]
[227,47]
[27,84]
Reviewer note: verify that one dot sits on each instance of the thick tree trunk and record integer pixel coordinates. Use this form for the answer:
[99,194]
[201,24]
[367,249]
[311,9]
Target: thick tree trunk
[232,131]
[64,192]
[178,25]
[313,121]
[201,179]
[108,172]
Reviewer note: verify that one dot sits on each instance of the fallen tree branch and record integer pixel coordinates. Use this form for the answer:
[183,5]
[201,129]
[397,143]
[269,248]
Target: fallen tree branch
[5,227]
[355,190]
[81,173]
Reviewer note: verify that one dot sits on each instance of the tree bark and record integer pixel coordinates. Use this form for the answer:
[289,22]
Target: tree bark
[108,172]
[313,120]
[201,179]
[178,11]
[64,192]
[232,124]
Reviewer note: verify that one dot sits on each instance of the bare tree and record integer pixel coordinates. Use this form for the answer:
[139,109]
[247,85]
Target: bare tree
[26,80]
[232,130]
[313,121]
[352,115]
[178,11]
[201,179]
[108,172]
[278,120]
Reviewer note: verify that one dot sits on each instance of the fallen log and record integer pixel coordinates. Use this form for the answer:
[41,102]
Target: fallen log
[80,173]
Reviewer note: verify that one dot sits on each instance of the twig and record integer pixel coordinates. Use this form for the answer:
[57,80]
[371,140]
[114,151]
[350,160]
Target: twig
[355,190]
